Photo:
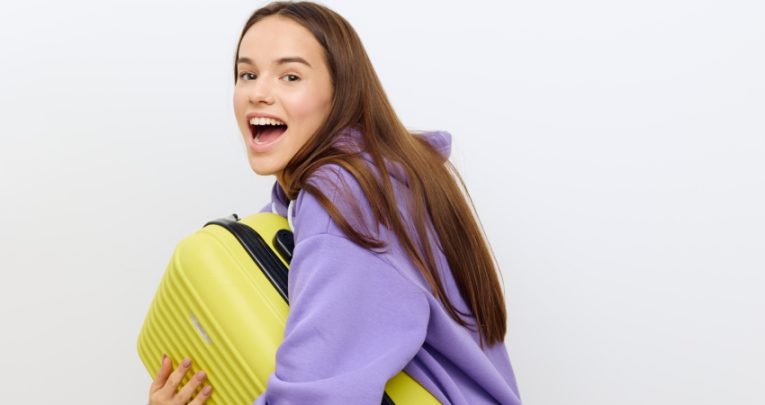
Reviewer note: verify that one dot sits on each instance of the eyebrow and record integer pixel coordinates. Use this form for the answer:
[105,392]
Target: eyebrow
[280,61]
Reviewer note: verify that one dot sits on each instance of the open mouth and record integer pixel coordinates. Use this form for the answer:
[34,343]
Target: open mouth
[265,134]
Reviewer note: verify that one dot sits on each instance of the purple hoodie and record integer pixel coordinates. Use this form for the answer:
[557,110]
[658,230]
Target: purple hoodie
[358,317]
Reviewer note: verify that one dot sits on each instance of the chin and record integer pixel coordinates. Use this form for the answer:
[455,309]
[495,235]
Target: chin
[263,169]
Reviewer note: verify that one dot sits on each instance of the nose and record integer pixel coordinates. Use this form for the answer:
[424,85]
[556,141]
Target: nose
[260,92]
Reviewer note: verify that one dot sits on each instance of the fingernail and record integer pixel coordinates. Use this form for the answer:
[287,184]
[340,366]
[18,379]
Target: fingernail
[207,390]
[200,375]
[186,362]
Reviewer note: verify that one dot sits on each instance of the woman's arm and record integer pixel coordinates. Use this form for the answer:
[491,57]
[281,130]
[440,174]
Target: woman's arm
[354,322]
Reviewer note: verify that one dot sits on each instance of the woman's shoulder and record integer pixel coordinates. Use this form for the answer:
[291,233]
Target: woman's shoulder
[333,185]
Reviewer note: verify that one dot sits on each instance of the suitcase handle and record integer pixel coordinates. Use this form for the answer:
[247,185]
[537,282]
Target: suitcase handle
[259,251]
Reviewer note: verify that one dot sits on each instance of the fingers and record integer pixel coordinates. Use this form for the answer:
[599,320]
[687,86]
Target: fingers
[203,396]
[165,385]
[164,372]
[188,390]
[174,380]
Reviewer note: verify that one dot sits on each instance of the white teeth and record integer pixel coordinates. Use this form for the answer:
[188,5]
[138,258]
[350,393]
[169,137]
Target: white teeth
[265,121]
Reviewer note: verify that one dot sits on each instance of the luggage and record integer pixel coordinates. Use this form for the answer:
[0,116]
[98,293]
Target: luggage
[223,303]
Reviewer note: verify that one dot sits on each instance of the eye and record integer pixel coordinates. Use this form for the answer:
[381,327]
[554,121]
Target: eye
[246,75]
[294,78]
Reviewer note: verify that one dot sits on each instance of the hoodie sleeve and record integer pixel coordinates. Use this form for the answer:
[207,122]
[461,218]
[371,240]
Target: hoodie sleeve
[354,321]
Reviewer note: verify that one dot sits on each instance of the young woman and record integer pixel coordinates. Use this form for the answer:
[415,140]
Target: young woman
[391,270]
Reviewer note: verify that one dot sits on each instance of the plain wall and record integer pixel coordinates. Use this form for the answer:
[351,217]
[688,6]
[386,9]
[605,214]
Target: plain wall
[614,151]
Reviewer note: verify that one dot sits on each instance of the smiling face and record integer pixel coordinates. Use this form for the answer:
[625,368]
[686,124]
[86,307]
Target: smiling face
[282,74]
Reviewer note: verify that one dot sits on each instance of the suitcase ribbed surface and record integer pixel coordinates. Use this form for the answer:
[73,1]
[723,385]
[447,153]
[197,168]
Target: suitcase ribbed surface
[175,291]
[217,307]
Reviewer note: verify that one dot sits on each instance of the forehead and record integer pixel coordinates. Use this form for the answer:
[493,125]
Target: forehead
[274,37]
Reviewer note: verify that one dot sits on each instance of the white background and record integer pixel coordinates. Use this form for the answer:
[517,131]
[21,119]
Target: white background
[614,151]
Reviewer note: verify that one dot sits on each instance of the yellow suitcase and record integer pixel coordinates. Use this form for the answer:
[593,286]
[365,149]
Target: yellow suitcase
[223,303]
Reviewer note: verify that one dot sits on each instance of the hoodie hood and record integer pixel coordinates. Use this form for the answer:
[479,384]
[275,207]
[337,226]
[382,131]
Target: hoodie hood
[441,141]
[351,138]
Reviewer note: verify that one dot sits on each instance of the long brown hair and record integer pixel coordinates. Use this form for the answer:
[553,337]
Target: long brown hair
[438,191]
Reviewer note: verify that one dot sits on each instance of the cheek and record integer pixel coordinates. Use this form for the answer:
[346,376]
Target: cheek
[310,107]
[240,101]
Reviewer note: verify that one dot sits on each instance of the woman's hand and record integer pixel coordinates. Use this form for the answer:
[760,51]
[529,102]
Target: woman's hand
[164,389]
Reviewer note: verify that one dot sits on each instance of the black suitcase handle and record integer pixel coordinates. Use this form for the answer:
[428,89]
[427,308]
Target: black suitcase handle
[260,252]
